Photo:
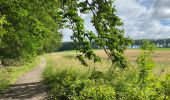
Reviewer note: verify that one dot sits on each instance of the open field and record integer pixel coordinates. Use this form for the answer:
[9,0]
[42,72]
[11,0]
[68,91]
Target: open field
[161,57]
[156,49]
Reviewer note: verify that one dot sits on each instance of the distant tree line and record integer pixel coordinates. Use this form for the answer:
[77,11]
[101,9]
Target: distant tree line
[72,46]
[161,43]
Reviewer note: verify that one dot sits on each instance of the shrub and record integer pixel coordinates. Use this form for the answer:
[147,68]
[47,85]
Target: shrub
[97,92]
[69,85]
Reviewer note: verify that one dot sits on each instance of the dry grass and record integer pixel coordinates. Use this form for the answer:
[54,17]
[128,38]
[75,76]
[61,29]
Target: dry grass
[161,58]
[70,60]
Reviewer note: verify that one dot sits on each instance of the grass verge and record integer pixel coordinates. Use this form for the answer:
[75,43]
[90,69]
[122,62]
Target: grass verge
[8,75]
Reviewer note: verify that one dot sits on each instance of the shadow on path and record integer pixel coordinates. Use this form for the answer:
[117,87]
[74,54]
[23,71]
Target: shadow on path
[25,91]
[29,86]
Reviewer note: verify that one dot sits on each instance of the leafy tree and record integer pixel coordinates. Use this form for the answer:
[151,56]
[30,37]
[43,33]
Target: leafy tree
[109,34]
[31,30]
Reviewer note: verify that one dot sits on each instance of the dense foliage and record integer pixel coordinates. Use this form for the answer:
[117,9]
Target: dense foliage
[28,28]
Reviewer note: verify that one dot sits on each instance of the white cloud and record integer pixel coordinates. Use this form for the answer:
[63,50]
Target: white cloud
[161,9]
[149,19]
[143,20]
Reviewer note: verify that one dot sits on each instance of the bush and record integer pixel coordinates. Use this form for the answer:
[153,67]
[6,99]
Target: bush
[97,92]
[69,85]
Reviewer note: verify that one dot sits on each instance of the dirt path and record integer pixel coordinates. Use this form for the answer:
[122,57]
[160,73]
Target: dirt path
[29,86]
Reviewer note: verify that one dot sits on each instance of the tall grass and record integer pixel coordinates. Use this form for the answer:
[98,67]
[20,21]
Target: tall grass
[69,80]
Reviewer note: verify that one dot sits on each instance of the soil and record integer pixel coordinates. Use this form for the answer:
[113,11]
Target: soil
[29,86]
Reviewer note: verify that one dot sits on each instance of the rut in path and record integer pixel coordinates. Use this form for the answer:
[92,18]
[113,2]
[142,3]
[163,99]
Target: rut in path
[29,86]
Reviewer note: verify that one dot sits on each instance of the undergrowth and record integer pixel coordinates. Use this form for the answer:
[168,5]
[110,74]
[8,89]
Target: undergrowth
[69,80]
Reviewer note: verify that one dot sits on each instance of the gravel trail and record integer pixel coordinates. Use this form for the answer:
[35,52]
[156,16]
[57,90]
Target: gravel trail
[29,86]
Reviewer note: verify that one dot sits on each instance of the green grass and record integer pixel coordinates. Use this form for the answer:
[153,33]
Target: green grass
[163,49]
[157,49]
[8,75]
[74,51]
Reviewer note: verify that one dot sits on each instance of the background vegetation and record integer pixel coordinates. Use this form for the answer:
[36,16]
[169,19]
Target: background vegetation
[70,80]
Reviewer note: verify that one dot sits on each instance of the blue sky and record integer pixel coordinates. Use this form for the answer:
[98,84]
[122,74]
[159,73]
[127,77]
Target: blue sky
[143,19]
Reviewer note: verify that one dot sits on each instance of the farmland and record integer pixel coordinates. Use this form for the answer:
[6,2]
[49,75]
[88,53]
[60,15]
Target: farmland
[161,57]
